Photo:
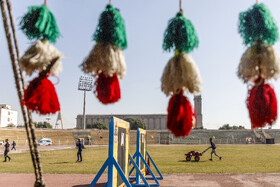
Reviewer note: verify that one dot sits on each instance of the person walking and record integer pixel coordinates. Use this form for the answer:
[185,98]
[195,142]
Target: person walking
[14,145]
[213,146]
[7,149]
[80,148]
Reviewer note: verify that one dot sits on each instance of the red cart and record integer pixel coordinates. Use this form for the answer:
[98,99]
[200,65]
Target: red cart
[196,155]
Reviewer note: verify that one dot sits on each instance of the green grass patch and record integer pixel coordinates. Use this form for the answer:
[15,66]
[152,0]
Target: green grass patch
[169,159]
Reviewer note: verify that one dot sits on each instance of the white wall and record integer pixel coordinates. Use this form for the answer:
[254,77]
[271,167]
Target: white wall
[8,116]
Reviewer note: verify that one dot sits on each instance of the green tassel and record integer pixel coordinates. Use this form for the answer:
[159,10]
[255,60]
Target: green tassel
[180,35]
[40,23]
[111,28]
[257,23]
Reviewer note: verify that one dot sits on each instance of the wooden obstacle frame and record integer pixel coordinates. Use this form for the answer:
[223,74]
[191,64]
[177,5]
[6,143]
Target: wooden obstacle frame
[118,155]
[141,165]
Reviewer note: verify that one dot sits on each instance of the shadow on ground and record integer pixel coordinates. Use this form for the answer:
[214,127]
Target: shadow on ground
[190,161]
[87,185]
[61,163]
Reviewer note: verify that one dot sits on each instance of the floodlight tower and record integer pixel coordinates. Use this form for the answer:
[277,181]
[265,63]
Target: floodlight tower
[85,84]
[59,119]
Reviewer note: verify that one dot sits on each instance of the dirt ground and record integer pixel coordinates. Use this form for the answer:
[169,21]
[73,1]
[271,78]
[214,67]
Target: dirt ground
[170,180]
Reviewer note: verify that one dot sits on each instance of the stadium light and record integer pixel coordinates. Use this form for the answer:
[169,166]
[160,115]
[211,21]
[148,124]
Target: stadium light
[85,84]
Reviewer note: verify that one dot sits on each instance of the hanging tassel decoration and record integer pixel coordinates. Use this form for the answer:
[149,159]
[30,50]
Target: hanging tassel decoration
[256,24]
[259,63]
[107,88]
[106,60]
[259,60]
[180,35]
[39,56]
[40,96]
[262,105]
[180,74]
[180,118]
[40,23]
[43,58]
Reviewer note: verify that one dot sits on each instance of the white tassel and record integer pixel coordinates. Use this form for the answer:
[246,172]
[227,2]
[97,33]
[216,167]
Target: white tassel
[180,73]
[39,56]
[105,58]
[259,60]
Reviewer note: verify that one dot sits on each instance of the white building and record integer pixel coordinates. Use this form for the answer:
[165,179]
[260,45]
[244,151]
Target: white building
[7,115]
[152,121]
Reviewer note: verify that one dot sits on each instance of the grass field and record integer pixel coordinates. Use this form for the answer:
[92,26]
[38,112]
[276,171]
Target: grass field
[169,159]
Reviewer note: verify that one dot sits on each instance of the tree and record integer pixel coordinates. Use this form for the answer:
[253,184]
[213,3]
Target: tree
[11,125]
[135,123]
[44,124]
[234,127]
[228,127]
[97,125]
[20,126]
[241,127]
[225,127]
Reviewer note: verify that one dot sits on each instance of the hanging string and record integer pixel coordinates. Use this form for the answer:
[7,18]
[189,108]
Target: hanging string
[180,6]
[110,1]
[257,2]
[45,2]
[15,41]
[14,67]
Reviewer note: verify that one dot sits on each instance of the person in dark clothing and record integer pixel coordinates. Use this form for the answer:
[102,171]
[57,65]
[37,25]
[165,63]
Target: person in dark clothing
[7,149]
[14,146]
[80,148]
[213,146]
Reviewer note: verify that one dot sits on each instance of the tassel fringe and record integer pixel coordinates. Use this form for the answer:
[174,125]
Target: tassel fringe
[180,73]
[105,58]
[107,89]
[39,56]
[262,105]
[259,60]
[38,23]
[40,96]
[180,118]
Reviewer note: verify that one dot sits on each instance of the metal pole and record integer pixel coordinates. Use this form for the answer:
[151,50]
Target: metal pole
[84,112]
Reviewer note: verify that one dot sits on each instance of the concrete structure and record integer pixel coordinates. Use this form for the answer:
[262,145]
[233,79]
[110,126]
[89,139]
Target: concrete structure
[7,115]
[198,107]
[152,121]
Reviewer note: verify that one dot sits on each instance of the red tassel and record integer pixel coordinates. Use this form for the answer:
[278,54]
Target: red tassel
[262,105]
[107,88]
[40,96]
[180,115]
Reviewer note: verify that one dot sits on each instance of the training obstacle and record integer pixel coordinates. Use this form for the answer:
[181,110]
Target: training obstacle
[118,155]
[141,165]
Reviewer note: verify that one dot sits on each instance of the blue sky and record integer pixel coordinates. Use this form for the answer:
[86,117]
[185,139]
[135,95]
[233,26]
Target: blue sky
[217,57]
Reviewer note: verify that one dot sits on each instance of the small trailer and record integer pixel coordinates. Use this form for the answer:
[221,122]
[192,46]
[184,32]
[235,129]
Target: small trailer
[196,155]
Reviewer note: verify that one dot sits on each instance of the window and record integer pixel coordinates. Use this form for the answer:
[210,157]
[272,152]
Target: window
[8,113]
[8,119]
